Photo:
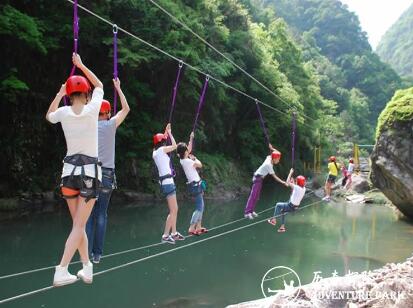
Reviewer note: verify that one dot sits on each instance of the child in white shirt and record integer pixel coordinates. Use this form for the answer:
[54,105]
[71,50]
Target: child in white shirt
[297,194]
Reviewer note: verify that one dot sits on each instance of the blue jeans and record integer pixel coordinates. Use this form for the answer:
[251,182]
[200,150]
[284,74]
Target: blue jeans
[199,209]
[283,207]
[196,190]
[96,225]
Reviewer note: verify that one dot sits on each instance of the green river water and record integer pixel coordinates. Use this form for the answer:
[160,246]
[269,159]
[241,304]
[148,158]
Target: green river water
[325,237]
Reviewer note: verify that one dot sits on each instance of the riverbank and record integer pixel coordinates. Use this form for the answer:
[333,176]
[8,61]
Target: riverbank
[46,202]
[362,191]
[388,286]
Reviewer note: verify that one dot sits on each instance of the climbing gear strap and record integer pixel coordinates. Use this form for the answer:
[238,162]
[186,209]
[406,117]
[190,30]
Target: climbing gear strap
[293,129]
[200,104]
[262,123]
[75,40]
[115,65]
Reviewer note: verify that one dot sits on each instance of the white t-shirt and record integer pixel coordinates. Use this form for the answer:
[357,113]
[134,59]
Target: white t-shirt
[162,162]
[266,168]
[297,195]
[350,168]
[81,132]
[189,169]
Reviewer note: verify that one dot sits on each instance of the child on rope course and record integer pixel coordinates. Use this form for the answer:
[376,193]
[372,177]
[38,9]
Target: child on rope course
[297,194]
[190,164]
[107,126]
[81,175]
[267,168]
[166,181]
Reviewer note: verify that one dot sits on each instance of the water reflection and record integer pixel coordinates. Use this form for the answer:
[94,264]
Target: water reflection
[327,238]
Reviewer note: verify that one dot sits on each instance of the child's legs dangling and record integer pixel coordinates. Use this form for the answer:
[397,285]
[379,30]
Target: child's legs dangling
[280,208]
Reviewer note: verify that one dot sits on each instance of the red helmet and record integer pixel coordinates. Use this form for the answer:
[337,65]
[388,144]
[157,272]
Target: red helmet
[275,155]
[158,138]
[77,83]
[332,158]
[300,180]
[351,160]
[105,107]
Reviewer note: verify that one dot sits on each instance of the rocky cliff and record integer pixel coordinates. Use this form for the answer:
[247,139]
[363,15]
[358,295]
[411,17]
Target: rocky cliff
[392,157]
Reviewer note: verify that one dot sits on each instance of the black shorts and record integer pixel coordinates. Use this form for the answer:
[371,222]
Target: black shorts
[74,186]
[331,178]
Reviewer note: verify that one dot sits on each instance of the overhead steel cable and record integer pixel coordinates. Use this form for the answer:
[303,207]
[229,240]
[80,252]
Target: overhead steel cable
[184,25]
[194,68]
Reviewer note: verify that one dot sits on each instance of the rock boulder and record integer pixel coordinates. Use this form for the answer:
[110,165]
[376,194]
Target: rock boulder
[392,157]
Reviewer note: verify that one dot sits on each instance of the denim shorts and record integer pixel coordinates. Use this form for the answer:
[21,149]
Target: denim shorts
[331,178]
[168,190]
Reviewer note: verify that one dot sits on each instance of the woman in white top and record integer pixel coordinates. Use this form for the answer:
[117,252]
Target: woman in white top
[81,172]
[162,161]
[190,164]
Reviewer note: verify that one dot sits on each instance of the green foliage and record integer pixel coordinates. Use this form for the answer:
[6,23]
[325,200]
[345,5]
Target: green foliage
[399,109]
[221,172]
[328,28]
[396,46]
[317,80]
[24,27]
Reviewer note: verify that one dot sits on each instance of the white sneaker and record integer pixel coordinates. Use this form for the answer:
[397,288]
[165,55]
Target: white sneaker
[62,276]
[249,216]
[86,274]
[326,198]
[254,214]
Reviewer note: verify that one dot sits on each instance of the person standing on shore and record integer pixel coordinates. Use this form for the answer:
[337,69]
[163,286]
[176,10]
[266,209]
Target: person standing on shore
[333,169]
[350,171]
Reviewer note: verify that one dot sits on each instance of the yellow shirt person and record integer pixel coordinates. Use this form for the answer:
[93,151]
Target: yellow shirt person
[332,168]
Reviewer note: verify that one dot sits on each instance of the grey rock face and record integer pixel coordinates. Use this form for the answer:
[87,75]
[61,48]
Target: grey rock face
[392,165]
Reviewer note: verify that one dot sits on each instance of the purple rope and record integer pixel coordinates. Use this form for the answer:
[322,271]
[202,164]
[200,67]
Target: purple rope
[262,123]
[115,65]
[293,139]
[75,33]
[201,102]
[175,91]
[75,39]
